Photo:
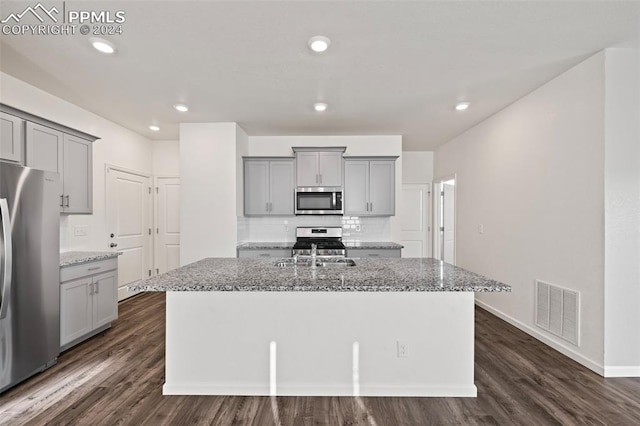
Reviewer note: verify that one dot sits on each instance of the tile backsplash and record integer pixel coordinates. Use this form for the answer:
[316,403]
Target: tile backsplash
[280,229]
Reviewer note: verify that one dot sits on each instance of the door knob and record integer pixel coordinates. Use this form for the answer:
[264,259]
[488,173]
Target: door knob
[113,245]
[112,235]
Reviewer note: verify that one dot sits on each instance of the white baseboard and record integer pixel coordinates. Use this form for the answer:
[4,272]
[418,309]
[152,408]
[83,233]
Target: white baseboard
[205,389]
[579,358]
[626,371]
[314,390]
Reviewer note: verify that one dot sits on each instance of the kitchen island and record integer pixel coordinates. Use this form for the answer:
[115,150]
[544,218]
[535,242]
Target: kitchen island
[385,327]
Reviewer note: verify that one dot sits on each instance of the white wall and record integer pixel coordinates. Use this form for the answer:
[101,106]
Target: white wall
[208,191]
[242,150]
[417,166]
[622,213]
[360,145]
[116,146]
[533,175]
[166,158]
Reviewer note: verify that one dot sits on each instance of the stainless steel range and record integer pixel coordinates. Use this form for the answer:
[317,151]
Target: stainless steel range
[328,242]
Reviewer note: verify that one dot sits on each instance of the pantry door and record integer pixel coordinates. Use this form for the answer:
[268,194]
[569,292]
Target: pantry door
[129,218]
[167,222]
[414,219]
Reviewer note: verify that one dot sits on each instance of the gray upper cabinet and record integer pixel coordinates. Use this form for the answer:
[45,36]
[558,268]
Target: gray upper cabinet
[44,148]
[71,157]
[268,186]
[53,147]
[382,188]
[11,138]
[369,187]
[281,187]
[256,188]
[356,187]
[307,173]
[78,175]
[330,168]
[319,166]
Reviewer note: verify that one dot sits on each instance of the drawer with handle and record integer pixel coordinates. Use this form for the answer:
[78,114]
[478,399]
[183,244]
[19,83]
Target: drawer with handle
[90,268]
[264,253]
[372,253]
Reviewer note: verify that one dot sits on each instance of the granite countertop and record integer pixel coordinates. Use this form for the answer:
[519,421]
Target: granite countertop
[266,245]
[369,275]
[78,257]
[372,245]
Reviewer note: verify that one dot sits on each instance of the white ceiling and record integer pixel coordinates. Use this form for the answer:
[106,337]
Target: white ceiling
[393,67]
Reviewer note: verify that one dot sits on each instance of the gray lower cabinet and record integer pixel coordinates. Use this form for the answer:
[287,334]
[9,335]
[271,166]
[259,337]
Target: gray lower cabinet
[88,300]
[364,252]
[11,138]
[68,155]
[369,186]
[268,186]
[264,253]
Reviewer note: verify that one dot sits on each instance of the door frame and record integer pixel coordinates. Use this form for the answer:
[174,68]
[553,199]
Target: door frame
[155,219]
[437,213]
[107,168]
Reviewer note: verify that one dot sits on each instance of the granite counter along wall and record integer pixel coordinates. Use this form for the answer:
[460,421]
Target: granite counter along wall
[283,228]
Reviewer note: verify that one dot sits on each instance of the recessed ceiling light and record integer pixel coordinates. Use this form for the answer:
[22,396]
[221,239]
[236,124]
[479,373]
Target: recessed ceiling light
[102,45]
[461,106]
[154,128]
[320,106]
[319,43]
[181,107]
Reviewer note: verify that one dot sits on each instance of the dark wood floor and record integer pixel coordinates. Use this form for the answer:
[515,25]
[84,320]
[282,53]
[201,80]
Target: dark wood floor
[116,378]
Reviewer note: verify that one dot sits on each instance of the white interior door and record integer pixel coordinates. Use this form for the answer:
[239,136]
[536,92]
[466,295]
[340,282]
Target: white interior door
[414,220]
[167,215]
[129,225]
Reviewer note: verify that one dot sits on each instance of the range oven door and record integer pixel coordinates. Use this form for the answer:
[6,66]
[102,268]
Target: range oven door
[319,201]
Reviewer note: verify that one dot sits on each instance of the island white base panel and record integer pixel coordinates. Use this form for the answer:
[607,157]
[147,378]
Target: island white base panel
[320,344]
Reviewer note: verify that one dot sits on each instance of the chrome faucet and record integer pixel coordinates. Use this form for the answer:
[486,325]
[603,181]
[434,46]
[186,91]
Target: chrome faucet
[314,253]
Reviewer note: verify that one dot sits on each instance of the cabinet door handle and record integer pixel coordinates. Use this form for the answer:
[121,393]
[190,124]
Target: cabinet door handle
[373,255]
[371,207]
[91,289]
[270,206]
[97,288]
[94,268]
[317,181]
[62,201]
[320,178]
[265,255]
[67,197]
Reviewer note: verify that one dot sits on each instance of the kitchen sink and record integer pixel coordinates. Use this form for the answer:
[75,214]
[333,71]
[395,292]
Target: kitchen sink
[320,262]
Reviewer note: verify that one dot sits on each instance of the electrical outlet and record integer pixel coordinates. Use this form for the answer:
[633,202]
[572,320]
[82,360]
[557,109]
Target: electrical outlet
[80,231]
[403,349]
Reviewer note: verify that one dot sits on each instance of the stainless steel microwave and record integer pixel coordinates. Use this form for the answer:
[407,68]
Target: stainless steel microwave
[319,200]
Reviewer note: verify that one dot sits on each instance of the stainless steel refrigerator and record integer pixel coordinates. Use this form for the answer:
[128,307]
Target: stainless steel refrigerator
[29,272]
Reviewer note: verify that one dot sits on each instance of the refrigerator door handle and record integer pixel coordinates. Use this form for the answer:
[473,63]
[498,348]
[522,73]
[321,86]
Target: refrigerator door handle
[8,257]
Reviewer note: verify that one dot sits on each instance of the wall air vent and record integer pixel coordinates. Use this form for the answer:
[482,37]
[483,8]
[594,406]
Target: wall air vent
[558,311]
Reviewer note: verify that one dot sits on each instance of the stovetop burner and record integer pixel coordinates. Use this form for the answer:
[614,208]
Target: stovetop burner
[321,244]
[328,241]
